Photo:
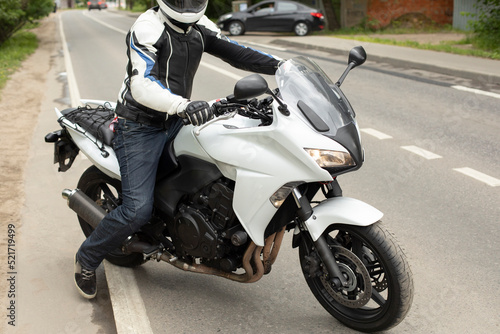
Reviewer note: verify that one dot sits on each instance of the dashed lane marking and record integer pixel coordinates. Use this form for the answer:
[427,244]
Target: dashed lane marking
[489,180]
[421,152]
[375,133]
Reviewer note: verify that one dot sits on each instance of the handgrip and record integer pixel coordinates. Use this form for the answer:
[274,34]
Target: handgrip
[185,119]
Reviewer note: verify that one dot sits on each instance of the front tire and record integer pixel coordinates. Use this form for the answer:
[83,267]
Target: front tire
[106,192]
[378,307]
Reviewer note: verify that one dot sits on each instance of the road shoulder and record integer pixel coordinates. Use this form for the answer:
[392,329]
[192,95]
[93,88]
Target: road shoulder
[47,232]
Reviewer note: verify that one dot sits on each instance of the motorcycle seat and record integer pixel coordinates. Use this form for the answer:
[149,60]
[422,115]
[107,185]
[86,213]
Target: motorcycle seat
[94,120]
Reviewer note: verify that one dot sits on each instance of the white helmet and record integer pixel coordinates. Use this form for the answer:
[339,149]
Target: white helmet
[183,11]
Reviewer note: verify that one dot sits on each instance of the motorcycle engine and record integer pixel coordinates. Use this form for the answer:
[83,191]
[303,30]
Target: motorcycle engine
[203,223]
[194,233]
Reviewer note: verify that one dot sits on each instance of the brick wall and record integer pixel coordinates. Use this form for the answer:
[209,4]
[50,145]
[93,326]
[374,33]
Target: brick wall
[384,11]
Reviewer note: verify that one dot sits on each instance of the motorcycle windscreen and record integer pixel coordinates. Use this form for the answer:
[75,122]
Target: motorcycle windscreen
[311,95]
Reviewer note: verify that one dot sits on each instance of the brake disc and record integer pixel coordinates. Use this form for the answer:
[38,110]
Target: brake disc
[359,290]
[379,279]
[380,285]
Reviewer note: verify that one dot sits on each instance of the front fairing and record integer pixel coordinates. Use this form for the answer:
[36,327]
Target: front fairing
[314,98]
[262,159]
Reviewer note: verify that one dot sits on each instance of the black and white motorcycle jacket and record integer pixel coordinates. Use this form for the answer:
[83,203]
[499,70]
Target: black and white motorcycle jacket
[163,59]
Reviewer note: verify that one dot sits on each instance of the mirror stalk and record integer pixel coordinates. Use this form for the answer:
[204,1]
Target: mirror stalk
[282,107]
[357,57]
[344,75]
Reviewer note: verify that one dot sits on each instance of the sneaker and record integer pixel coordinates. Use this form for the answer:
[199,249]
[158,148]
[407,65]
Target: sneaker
[85,281]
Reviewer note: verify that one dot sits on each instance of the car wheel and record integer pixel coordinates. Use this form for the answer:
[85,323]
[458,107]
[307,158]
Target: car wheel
[236,28]
[301,28]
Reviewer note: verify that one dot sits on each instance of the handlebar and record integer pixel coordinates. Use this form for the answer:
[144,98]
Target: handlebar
[215,119]
[227,108]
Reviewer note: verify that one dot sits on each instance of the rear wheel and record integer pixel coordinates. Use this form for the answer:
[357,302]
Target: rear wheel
[301,28]
[380,289]
[106,192]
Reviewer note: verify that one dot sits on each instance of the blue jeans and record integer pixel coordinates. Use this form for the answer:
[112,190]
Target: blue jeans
[138,148]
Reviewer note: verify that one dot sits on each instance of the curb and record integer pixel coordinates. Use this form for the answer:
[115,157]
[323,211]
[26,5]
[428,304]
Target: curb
[129,311]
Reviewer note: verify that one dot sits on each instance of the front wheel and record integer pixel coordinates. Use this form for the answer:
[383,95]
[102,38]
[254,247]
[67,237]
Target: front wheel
[106,192]
[380,285]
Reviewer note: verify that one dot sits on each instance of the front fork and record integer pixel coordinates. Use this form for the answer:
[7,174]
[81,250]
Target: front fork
[305,211]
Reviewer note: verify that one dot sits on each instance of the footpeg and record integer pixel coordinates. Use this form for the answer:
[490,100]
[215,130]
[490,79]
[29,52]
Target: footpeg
[153,250]
[134,245]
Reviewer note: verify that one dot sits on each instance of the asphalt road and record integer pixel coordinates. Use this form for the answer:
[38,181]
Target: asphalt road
[448,222]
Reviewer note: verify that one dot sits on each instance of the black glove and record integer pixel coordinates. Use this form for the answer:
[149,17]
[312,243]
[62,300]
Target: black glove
[199,112]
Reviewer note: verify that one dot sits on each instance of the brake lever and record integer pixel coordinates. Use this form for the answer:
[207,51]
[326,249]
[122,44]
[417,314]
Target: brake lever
[215,119]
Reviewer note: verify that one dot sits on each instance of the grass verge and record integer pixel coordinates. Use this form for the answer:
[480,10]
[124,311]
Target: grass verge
[455,47]
[469,46]
[14,51]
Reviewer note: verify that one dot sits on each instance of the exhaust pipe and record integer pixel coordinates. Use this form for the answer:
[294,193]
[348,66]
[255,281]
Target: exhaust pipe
[92,213]
[84,207]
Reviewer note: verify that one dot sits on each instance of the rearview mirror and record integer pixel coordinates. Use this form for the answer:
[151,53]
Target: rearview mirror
[250,87]
[357,56]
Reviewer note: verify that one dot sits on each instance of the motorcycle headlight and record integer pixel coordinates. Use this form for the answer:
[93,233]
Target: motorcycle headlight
[331,159]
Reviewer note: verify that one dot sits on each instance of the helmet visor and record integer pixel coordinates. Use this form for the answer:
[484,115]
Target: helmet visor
[186,6]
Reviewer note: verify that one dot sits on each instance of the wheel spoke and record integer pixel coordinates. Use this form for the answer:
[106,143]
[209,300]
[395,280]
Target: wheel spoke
[377,298]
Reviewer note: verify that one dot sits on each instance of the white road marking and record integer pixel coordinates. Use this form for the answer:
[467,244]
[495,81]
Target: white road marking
[421,152]
[74,93]
[221,71]
[104,23]
[476,91]
[263,45]
[489,180]
[376,133]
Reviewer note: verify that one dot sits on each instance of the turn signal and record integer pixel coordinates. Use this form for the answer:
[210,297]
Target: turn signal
[282,193]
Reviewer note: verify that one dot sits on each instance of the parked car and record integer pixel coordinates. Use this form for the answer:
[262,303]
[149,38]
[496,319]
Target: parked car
[274,15]
[96,4]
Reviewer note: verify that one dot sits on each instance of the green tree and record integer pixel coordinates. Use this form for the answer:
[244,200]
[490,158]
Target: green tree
[217,8]
[15,13]
[486,25]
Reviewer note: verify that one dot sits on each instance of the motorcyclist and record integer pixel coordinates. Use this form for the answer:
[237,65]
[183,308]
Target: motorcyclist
[164,49]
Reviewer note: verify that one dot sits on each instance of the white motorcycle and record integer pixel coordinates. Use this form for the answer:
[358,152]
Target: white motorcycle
[228,190]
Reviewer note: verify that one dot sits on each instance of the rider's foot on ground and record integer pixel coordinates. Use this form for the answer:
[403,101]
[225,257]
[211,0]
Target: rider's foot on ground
[85,281]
